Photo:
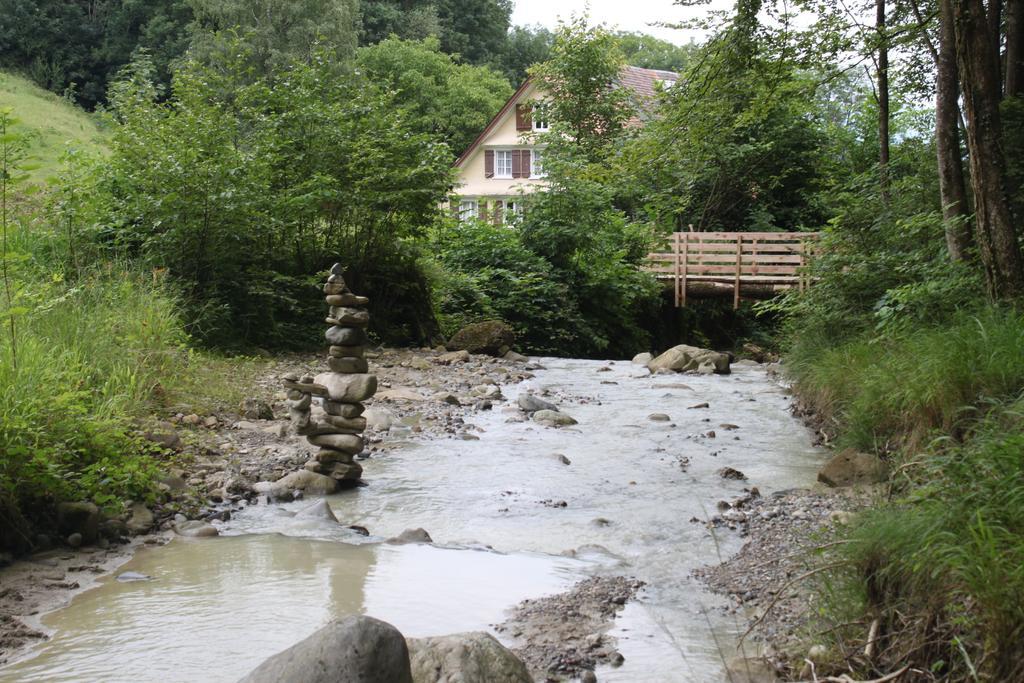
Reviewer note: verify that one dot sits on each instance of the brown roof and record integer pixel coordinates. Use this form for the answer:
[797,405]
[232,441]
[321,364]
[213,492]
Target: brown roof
[639,80]
[642,81]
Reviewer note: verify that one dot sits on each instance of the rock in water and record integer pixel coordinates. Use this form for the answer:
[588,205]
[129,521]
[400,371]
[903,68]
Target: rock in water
[196,529]
[685,358]
[355,649]
[643,358]
[492,337]
[304,480]
[318,510]
[465,658]
[550,418]
[851,467]
[531,404]
[411,536]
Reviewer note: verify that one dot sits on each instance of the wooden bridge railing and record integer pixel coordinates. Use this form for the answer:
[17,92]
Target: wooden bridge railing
[714,263]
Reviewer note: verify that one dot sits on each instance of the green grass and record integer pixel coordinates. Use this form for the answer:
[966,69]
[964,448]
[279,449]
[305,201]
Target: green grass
[95,355]
[52,123]
[898,389]
[940,564]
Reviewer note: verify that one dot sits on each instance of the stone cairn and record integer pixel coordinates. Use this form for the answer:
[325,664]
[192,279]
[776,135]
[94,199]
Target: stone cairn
[338,431]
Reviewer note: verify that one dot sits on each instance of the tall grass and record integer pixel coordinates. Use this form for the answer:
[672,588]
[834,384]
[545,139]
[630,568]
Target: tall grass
[941,564]
[92,355]
[883,391]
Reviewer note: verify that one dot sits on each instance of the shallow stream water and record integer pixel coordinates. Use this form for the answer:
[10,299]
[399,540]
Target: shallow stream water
[217,607]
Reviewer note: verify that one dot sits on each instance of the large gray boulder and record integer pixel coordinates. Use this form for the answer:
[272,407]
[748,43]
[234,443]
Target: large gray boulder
[465,658]
[355,649]
[850,467]
[491,337]
[685,358]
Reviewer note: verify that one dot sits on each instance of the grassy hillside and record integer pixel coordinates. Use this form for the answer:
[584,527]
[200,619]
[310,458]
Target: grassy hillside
[53,122]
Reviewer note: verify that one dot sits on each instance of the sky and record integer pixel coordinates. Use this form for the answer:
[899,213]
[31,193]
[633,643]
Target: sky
[627,15]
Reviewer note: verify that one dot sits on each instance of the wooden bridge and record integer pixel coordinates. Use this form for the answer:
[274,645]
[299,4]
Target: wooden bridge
[751,264]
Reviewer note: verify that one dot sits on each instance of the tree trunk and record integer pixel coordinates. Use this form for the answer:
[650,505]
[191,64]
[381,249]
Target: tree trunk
[952,190]
[883,99]
[1014,84]
[978,62]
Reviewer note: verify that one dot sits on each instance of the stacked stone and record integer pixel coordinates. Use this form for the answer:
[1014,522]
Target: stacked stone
[338,434]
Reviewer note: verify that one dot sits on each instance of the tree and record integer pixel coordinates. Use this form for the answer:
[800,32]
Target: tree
[524,47]
[953,191]
[475,29]
[737,144]
[77,47]
[277,31]
[883,98]
[242,196]
[438,94]
[652,53]
[407,19]
[995,233]
[588,111]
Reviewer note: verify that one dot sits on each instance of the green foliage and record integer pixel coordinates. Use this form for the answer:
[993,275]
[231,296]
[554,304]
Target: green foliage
[910,383]
[735,148]
[77,47]
[485,272]
[475,30]
[407,20]
[439,95]
[525,47]
[276,32]
[566,276]
[67,406]
[244,191]
[652,53]
[587,113]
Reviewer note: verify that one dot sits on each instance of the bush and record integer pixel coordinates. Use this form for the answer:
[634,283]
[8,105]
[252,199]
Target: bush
[91,357]
[483,272]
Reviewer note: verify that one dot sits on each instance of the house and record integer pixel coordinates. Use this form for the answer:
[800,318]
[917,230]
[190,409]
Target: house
[507,160]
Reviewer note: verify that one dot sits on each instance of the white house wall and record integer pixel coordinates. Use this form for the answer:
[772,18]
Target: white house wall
[472,180]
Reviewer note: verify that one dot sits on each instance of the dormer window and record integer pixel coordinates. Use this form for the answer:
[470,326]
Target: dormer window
[540,118]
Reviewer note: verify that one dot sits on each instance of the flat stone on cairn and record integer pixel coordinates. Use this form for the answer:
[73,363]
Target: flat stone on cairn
[339,435]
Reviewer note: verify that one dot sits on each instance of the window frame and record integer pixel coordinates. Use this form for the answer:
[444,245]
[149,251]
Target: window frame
[468,208]
[497,173]
[536,153]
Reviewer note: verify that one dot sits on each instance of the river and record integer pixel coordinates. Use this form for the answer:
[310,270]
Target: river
[217,607]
